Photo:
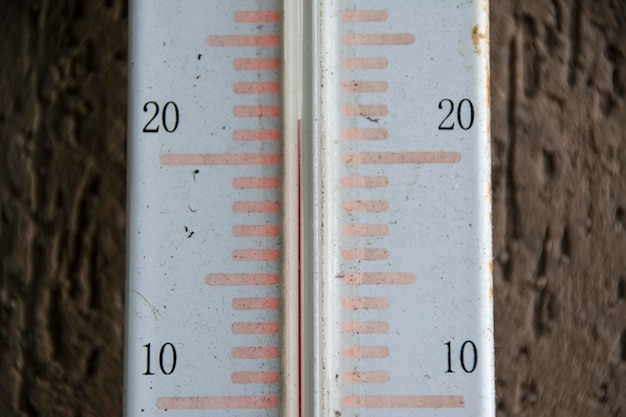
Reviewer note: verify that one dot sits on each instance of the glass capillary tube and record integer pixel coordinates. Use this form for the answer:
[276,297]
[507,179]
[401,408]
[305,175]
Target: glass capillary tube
[294,324]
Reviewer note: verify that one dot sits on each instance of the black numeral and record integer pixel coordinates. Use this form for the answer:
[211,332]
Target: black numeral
[167,359]
[169,117]
[468,356]
[464,114]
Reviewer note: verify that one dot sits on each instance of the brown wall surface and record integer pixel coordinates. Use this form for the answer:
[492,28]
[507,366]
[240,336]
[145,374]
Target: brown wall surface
[559,191]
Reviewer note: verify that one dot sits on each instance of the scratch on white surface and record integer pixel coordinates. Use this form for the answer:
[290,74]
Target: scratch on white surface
[155,312]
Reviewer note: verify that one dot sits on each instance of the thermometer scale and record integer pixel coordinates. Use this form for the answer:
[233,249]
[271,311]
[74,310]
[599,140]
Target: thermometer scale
[309,209]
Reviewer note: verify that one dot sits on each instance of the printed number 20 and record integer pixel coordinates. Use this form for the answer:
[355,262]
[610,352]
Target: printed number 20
[464,114]
[169,117]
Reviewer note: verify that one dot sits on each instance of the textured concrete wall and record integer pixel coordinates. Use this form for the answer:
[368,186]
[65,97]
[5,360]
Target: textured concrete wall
[559,123]
[559,171]
[62,197]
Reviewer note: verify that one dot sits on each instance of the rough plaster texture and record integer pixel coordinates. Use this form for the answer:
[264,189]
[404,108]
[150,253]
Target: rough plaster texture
[559,191]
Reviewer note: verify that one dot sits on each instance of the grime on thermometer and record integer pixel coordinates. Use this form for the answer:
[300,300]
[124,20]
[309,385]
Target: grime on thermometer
[309,209]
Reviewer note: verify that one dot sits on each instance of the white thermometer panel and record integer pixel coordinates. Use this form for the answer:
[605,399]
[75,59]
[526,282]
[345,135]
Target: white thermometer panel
[309,209]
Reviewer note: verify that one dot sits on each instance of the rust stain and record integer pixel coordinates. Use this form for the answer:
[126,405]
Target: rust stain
[482,36]
[488,87]
[477,36]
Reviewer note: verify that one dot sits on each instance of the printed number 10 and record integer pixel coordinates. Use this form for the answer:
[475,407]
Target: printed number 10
[166,368]
[468,351]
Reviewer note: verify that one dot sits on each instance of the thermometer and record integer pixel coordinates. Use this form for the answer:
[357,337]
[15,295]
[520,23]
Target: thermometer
[309,209]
